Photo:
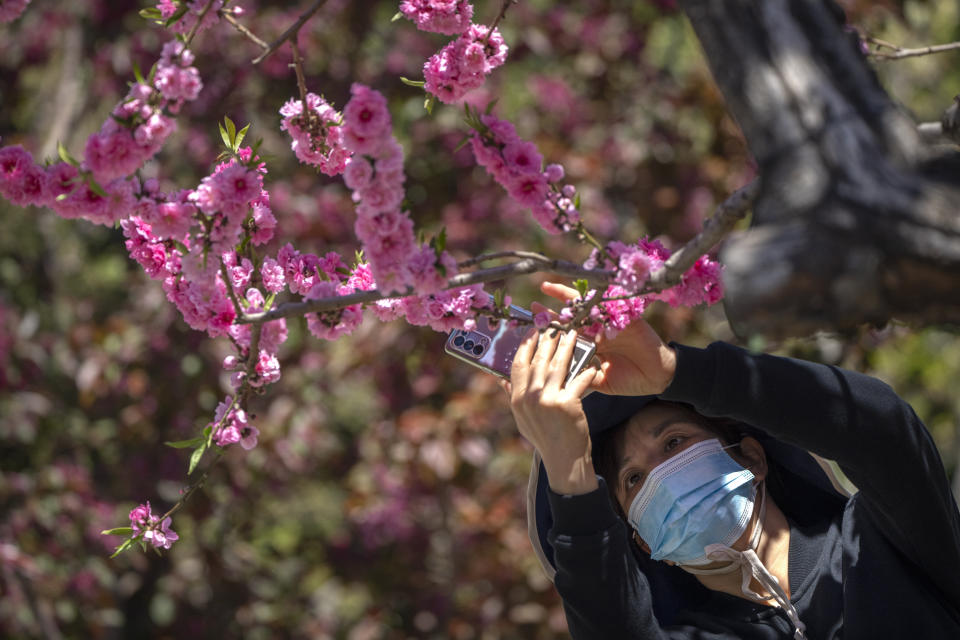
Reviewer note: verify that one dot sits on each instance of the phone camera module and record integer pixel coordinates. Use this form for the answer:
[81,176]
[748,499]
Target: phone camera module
[458,341]
[477,350]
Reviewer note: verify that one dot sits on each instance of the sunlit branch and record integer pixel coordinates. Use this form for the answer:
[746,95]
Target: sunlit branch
[897,53]
[523,266]
[228,16]
[291,32]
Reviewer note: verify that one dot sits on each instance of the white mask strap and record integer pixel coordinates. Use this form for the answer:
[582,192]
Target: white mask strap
[751,567]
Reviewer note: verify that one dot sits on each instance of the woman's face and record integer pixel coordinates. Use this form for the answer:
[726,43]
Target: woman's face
[653,435]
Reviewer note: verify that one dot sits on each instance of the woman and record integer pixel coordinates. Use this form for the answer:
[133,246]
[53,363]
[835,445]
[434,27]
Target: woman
[709,519]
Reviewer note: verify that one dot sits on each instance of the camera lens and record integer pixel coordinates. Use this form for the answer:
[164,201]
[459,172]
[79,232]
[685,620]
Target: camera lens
[458,340]
[477,350]
[468,345]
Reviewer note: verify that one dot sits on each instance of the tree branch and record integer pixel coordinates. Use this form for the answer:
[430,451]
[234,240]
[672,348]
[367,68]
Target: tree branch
[291,32]
[727,214]
[521,267]
[898,53]
[228,16]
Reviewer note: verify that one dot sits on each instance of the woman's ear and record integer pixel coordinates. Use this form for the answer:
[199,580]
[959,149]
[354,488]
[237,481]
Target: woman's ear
[753,457]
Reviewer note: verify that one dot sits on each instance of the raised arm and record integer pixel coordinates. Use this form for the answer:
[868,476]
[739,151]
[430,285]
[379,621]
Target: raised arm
[854,419]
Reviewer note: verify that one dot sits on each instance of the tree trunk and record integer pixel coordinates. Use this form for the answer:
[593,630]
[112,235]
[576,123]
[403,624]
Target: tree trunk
[855,221]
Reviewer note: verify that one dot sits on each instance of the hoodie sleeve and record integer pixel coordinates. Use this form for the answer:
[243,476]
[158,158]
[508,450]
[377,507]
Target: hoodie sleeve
[854,419]
[605,595]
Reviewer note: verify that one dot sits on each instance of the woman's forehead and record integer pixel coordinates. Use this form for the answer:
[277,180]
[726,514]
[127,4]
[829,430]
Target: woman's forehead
[653,420]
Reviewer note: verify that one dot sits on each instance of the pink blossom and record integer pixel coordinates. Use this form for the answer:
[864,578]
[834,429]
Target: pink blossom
[163,537]
[462,65]
[439,16]
[171,219]
[141,518]
[167,8]
[10,10]
[22,182]
[357,173]
[263,222]
[317,140]
[333,324]
[248,437]
[366,119]
[428,272]
[146,248]
[196,7]
[236,184]
[267,370]
[272,335]
[271,273]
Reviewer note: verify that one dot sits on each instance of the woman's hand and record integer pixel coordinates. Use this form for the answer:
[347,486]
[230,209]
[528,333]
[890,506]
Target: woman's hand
[634,363]
[548,411]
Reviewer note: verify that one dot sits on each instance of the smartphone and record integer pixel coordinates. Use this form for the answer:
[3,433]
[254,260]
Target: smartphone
[492,347]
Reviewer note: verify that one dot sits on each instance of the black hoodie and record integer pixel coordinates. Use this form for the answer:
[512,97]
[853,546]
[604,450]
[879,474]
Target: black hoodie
[884,563]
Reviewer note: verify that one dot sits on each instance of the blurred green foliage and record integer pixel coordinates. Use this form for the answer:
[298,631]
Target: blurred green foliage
[385,499]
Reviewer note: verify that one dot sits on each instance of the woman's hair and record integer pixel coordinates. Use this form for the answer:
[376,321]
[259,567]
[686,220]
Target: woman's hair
[608,447]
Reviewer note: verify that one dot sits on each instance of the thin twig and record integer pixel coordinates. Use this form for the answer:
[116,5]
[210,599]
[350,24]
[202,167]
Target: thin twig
[230,292]
[291,32]
[501,15]
[301,83]
[486,257]
[196,26]
[228,16]
[714,229]
[898,53]
[191,489]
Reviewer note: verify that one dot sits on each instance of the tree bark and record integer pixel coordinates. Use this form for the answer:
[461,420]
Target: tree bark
[856,220]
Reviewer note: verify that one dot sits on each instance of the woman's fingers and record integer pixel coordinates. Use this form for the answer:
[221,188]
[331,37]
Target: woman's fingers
[561,359]
[559,291]
[543,359]
[520,370]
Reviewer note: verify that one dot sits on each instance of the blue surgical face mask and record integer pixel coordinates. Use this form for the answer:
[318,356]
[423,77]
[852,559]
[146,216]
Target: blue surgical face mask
[700,496]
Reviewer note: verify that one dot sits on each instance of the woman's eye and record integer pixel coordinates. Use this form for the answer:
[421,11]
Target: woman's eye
[673,443]
[633,480]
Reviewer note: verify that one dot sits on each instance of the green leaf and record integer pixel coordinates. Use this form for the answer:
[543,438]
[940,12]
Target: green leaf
[117,531]
[490,106]
[231,129]
[123,547]
[498,295]
[576,200]
[225,136]
[195,458]
[62,197]
[186,444]
[137,74]
[65,155]
[96,188]
[240,136]
[583,286]
[175,18]
[151,14]
[429,102]
[462,144]
[440,242]
[412,83]
[152,74]
[256,147]
[396,16]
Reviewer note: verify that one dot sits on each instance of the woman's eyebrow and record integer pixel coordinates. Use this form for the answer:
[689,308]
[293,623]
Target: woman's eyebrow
[655,433]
